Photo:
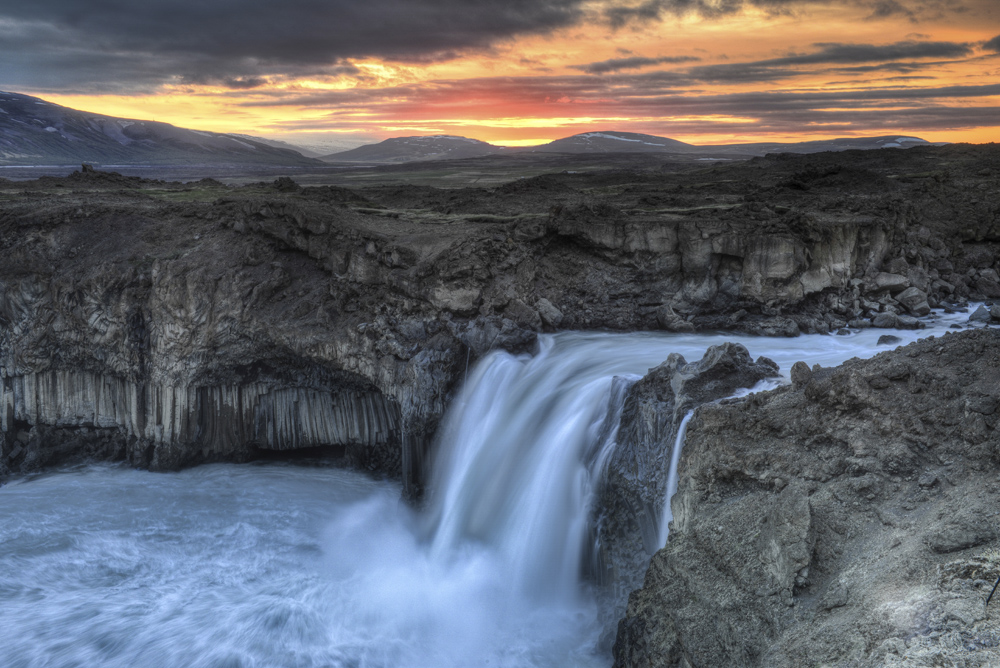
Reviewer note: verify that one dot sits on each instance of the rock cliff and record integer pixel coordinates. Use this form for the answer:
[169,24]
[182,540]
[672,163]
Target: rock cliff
[635,484]
[846,520]
[177,323]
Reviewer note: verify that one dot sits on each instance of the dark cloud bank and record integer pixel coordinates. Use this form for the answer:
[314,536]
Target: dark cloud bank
[116,42]
[91,46]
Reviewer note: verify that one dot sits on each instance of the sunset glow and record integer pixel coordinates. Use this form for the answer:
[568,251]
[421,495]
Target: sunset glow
[728,72]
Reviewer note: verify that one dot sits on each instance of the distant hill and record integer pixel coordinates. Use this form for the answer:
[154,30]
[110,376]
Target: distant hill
[407,149]
[446,147]
[628,142]
[36,132]
[614,142]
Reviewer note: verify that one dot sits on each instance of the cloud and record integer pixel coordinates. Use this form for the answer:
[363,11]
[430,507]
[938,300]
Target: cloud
[114,42]
[633,63]
[245,83]
[885,8]
[646,11]
[833,52]
[638,94]
[117,46]
[661,109]
[886,57]
[993,45]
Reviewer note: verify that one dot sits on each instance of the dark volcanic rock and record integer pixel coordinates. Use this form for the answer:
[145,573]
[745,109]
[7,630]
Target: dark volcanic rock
[845,521]
[981,314]
[915,301]
[634,488]
[201,320]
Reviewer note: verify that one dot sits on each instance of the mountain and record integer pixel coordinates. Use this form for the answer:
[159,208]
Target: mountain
[614,142]
[447,147]
[407,149]
[33,131]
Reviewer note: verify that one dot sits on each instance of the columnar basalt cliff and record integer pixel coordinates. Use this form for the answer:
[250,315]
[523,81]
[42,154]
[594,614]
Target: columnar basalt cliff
[177,323]
[846,520]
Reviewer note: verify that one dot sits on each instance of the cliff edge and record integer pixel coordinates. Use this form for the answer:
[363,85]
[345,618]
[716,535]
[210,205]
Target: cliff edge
[847,520]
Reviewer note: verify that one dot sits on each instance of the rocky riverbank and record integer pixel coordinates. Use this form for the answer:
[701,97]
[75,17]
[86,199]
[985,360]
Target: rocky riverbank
[846,520]
[171,324]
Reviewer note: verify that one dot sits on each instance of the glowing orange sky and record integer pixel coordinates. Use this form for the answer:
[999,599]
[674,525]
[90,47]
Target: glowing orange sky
[748,77]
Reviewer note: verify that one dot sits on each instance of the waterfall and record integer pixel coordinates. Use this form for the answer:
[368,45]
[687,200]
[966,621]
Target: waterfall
[519,461]
[675,458]
[523,447]
[522,452]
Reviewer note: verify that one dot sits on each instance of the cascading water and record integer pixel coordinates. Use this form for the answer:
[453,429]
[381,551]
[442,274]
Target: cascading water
[274,565]
[675,458]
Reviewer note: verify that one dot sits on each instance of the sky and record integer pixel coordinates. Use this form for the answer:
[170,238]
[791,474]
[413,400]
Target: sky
[518,72]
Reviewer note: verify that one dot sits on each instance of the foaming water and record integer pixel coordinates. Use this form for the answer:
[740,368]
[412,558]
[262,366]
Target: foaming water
[275,565]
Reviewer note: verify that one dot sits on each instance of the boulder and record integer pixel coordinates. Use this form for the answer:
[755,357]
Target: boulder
[988,287]
[892,282]
[769,326]
[885,321]
[918,278]
[550,315]
[981,314]
[908,322]
[801,374]
[915,301]
[523,315]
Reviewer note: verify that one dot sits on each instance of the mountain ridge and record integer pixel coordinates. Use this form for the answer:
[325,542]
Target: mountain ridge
[35,131]
[421,147]
[399,149]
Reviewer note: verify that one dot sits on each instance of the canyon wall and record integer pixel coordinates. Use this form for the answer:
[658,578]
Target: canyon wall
[172,324]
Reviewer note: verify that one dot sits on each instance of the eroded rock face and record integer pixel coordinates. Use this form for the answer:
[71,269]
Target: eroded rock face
[168,337]
[185,299]
[848,519]
[634,488]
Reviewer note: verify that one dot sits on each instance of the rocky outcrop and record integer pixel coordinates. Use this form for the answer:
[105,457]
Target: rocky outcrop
[845,520]
[167,336]
[632,497]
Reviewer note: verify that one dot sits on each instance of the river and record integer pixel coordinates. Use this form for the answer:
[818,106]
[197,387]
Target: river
[275,564]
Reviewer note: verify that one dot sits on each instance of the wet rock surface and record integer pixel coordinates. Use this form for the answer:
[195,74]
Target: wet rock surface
[197,321]
[635,484]
[846,520]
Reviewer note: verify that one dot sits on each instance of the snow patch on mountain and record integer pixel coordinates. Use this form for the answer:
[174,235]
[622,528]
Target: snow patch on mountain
[603,135]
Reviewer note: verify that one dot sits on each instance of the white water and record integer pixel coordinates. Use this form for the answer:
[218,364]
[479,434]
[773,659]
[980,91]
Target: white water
[675,458]
[274,565]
